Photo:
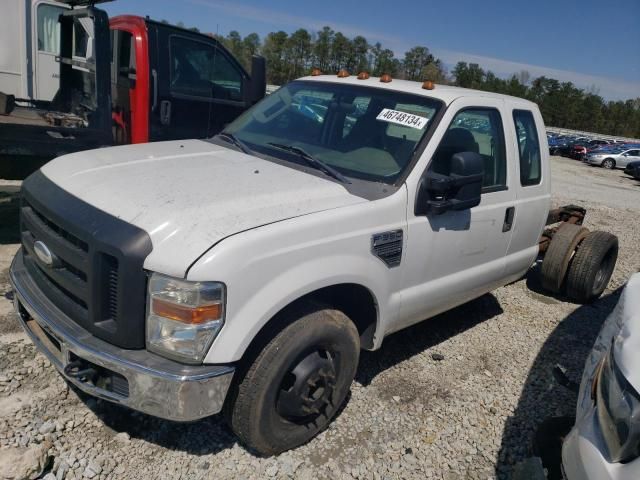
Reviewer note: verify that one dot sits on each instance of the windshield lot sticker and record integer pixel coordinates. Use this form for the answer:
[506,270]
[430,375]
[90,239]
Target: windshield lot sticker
[402,118]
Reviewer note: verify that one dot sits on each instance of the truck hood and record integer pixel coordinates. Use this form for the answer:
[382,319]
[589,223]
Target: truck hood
[189,195]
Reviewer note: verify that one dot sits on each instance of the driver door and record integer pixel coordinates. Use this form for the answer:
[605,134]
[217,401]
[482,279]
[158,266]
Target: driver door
[456,256]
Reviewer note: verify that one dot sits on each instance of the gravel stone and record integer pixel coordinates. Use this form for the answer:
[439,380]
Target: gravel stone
[122,437]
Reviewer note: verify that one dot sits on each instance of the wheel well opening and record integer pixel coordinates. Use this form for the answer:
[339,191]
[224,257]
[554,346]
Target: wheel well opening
[355,301]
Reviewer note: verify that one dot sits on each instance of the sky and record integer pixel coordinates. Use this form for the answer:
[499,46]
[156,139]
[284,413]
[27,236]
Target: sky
[594,44]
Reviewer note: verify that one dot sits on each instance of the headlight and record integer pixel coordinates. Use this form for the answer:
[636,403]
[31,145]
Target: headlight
[618,412]
[183,317]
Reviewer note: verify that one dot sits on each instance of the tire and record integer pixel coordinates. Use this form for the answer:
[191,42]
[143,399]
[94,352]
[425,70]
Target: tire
[559,254]
[609,163]
[295,385]
[592,267]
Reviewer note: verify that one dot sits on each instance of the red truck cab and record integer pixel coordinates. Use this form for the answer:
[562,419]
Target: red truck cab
[171,83]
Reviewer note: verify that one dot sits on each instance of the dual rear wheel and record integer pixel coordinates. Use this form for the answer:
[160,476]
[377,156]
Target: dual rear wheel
[579,262]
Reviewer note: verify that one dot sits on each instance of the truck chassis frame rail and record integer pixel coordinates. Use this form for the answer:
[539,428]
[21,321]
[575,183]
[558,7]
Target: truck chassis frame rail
[572,214]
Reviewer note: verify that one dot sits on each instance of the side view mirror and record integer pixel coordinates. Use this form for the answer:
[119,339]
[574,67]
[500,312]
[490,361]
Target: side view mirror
[258,79]
[460,190]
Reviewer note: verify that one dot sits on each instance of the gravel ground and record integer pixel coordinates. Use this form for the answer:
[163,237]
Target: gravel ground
[470,415]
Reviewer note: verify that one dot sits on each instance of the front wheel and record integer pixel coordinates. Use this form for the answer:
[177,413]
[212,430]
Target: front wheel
[296,383]
[609,164]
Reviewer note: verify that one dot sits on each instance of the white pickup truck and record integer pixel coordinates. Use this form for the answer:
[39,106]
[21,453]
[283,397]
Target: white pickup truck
[244,273]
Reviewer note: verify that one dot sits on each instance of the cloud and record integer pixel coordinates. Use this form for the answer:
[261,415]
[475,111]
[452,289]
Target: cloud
[610,88]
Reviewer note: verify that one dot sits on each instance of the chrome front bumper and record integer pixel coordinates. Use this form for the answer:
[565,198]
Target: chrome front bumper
[145,382]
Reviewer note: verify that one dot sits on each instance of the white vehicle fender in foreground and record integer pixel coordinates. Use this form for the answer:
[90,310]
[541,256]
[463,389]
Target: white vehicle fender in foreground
[583,452]
[267,268]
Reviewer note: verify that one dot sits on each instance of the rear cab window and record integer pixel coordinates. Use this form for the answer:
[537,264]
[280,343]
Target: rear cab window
[528,148]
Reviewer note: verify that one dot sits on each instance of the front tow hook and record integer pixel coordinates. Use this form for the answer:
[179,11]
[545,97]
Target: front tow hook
[79,370]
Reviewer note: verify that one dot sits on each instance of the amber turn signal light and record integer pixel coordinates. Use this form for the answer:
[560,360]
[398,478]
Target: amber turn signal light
[428,85]
[184,314]
[385,78]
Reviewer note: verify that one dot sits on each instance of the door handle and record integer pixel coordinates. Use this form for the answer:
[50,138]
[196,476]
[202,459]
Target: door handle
[508,219]
[165,112]
[154,102]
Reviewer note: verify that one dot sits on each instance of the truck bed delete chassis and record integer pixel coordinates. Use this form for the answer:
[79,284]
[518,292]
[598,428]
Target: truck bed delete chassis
[566,214]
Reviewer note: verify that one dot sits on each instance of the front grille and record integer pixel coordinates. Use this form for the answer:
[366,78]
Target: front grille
[112,288]
[95,272]
[66,283]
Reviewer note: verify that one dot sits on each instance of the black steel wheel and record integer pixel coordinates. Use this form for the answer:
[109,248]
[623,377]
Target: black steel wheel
[293,386]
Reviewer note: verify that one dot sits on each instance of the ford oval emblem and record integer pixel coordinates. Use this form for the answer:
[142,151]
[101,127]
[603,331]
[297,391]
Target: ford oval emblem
[43,253]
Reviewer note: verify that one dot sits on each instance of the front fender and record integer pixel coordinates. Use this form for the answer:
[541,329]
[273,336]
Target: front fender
[268,268]
[247,317]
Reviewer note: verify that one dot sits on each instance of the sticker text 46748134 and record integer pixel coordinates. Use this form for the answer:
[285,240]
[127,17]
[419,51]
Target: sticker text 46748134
[402,118]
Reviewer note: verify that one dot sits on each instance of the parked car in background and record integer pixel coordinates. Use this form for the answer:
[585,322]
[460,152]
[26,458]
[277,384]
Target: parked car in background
[604,444]
[598,142]
[566,149]
[557,143]
[614,158]
[633,169]
[579,150]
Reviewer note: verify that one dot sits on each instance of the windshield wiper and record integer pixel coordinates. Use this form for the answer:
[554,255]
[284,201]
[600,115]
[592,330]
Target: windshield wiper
[311,160]
[232,139]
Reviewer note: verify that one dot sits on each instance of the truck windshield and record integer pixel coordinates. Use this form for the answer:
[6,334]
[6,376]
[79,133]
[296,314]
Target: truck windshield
[363,132]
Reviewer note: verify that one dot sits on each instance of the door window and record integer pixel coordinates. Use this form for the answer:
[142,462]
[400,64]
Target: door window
[476,130]
[49,28]
[201,70]
[528,148]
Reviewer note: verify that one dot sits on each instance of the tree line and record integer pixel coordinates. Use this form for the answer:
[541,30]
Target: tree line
[289,56]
